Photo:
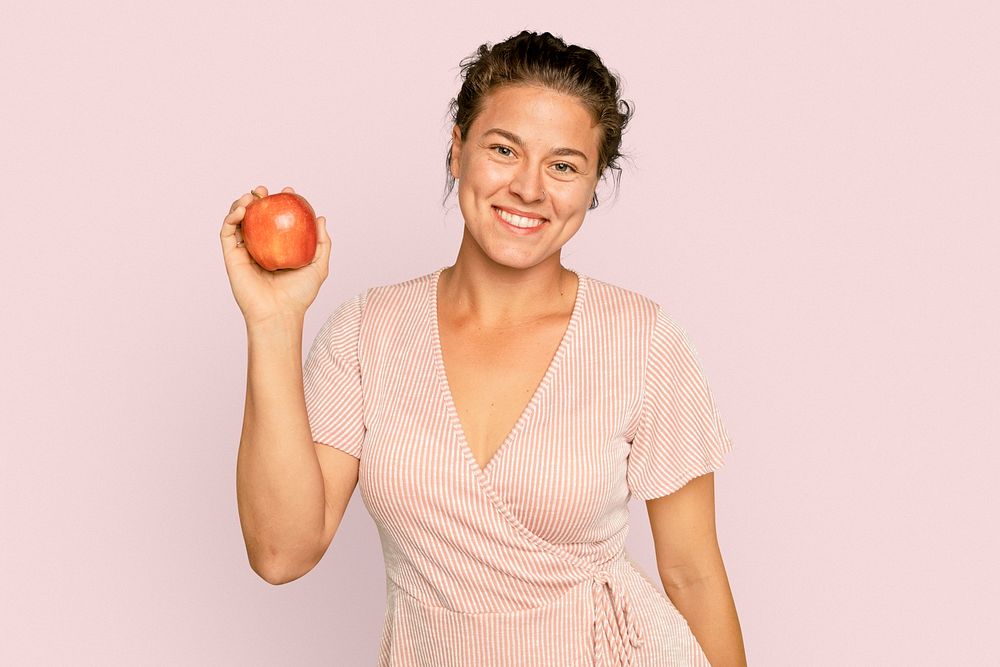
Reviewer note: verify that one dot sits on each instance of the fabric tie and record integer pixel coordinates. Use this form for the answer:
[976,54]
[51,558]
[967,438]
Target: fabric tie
[613,622]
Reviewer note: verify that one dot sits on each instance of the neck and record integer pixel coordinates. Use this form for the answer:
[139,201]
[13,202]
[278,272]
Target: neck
[491,296]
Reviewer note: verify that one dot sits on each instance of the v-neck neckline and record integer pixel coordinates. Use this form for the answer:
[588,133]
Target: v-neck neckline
[536,396]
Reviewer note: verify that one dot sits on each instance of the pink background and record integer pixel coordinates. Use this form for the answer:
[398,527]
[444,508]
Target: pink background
[812,195]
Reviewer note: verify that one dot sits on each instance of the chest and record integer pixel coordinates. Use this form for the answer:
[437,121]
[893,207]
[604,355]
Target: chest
[493,376]
[534,417]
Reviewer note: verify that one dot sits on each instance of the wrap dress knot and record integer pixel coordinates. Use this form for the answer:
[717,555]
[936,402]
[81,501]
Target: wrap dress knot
[613,621]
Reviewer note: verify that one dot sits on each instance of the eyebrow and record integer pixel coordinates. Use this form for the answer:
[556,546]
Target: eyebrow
[510,136]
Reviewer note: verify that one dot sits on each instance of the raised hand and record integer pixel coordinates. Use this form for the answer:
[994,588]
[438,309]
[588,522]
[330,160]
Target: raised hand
[261,294]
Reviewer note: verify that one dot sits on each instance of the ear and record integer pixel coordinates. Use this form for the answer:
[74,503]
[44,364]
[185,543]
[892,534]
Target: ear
[456,151]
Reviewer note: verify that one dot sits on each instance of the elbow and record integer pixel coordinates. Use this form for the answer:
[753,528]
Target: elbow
[278,571]
[282,562]
[275,574]
[272,575]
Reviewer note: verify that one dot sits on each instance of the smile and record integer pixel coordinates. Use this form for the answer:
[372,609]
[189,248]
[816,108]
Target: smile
[517,220]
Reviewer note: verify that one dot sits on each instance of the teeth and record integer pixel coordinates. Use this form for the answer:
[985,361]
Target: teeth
[517,220]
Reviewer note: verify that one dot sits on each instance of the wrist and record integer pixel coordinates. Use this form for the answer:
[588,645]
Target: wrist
[280,322]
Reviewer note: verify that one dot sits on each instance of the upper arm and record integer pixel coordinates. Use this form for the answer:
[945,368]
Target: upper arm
[684,534]
[679,434]
[340,477]
[335,407]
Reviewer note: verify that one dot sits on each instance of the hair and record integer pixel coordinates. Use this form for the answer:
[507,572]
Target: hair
[544,60]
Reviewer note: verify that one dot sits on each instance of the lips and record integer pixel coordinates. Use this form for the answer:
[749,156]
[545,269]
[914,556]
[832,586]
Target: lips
[519,219]
[523,214]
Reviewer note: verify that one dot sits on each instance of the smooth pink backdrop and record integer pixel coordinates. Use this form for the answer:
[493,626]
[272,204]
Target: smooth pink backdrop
[812,195]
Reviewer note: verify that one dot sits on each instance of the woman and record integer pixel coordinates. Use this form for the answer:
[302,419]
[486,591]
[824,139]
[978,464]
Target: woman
[498,412]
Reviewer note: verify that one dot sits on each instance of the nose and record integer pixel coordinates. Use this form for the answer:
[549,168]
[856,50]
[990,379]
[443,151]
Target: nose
[527,183]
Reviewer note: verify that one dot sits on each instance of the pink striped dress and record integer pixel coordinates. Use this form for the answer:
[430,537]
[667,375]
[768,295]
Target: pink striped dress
[521,562]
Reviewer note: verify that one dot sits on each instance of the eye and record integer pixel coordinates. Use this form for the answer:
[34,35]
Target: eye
[564,167]
[502,150]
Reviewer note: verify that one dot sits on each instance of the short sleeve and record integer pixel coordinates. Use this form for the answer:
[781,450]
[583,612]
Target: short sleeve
[331,378]
[680,434]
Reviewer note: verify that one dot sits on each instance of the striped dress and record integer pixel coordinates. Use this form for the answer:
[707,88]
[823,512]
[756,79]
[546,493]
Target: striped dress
[521,562]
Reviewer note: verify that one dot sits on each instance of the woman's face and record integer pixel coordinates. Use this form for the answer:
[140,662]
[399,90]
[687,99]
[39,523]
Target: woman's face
[526,173]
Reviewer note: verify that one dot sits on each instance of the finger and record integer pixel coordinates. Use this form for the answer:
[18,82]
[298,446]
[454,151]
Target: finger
[242,201]
[236,215]
[259,191]
[289,189]
[231,234]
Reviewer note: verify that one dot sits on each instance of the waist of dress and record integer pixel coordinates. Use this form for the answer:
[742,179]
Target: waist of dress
[615,632]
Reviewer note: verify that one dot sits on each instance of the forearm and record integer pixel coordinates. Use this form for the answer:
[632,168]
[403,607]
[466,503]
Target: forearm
[708,606]
[279,483]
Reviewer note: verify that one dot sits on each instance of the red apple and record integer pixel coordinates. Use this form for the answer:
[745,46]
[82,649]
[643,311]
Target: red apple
[280,231]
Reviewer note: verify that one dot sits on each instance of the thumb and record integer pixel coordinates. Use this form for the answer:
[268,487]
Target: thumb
[322,242]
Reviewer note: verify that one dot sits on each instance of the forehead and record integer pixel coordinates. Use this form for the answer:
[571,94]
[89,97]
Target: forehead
[540,116]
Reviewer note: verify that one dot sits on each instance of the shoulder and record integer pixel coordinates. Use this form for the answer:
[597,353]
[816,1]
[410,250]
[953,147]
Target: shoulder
[410,287]
[392,303]
[375,303]
[620,305]
[627,313]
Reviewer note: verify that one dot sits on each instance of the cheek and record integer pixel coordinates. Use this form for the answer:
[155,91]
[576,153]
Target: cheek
[486,176]
[572,199]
